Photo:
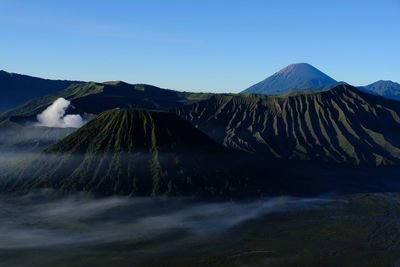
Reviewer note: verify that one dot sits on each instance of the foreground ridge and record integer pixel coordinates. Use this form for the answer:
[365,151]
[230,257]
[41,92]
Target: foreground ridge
[342,125]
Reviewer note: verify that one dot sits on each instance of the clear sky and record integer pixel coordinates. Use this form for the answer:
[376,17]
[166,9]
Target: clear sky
[199,45]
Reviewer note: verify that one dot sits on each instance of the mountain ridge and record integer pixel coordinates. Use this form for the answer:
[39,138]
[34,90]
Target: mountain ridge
[342,125]
[19,88]
[94,98]
[385,88]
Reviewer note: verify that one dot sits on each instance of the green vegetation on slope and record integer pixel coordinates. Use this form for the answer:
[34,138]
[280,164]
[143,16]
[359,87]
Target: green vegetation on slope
[132,152]
[95,98]
[342,125]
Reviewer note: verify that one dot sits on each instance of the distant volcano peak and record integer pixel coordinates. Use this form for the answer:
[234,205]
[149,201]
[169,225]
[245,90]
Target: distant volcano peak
[295,77]
[301,67]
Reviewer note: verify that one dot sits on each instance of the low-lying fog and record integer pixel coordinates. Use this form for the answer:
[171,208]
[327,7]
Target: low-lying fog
[20,140]
[32,222]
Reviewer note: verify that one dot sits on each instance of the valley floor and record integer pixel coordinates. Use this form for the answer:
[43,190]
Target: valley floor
[346,230]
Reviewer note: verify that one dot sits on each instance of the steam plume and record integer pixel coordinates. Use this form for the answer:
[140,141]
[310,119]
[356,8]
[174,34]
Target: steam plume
[54,116]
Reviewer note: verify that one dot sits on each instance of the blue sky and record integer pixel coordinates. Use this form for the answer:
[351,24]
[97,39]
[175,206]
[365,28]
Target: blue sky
[218,46]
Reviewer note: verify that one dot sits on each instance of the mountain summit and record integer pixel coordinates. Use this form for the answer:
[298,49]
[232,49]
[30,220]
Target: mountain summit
[295,77]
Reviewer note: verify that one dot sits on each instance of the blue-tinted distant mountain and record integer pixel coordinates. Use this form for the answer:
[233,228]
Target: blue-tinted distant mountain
[386,89]
[16,89]
[293,78]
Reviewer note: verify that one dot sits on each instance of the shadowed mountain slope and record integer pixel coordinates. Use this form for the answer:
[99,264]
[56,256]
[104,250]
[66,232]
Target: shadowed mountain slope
[386,89]
[342,125]
[293,78]
[17,89]
[94,98]
[133,152]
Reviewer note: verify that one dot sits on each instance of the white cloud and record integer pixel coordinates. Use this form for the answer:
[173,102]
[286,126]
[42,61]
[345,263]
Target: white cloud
[54,116]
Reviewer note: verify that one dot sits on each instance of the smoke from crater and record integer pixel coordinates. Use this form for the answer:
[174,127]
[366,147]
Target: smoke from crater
[54,116]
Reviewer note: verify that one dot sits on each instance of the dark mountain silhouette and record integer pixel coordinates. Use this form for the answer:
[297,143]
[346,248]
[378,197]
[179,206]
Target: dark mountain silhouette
[293,78]
[386,89]
[17,89]
[342,125]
